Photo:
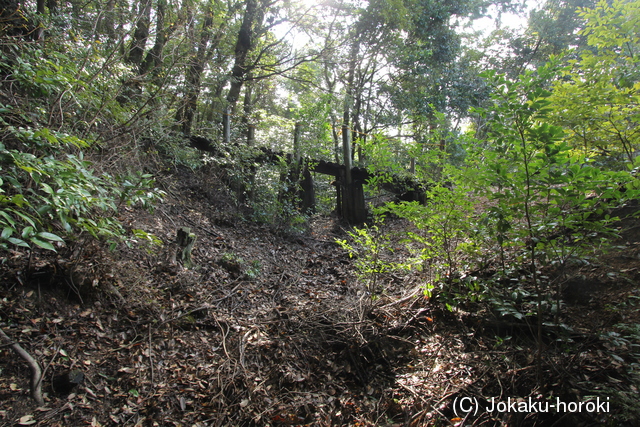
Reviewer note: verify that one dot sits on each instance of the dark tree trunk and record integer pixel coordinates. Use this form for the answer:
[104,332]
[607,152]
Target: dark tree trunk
[141,33]
[193,78]
[251,23]
[52,5]
[352,206]
[106,23]
[308,196]
[244,44]
[153,59]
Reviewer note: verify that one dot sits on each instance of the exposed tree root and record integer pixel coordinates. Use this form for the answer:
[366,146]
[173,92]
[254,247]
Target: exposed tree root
[36,372]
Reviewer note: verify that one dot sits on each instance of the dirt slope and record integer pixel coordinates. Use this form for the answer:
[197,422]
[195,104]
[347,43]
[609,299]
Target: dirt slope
[271,328]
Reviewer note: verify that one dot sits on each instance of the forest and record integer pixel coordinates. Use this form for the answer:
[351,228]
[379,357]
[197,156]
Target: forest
[319,213]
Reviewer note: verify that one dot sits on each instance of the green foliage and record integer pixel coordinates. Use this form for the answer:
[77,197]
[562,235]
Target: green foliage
[439,242]
[137,190]
[545,203]
[369,246]
[548,203]
[45,199]
[382,162]
[175,152]
[273,201]
[325,194]
[62,96]
[236,264]
[62,85]
[597,99]
[623,347]
[383,155]
[314,112]
[147,240]
[276,132]
[545,195]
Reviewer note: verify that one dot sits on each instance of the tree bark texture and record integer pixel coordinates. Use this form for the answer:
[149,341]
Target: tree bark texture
[153,59]
[186,112]
[252,20]
[141,33]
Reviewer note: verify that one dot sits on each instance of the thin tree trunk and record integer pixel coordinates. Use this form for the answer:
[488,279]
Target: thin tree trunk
[247,109]
[193,78]
[106,23]
[347,109]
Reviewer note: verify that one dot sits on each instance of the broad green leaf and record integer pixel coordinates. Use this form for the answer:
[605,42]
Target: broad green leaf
[43,244]
[18,242]
[50,236]
[26,218]
[27,231]
[7,232]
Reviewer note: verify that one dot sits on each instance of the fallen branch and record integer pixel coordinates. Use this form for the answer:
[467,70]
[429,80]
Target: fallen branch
[36,372]
[411,296]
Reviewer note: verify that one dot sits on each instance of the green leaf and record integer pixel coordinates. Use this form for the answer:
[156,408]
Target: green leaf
[43,244]
[50,236]
[18,242]
[19,200]
[44,209]
[27,231]
[7,232]
[26,218]
[8,218]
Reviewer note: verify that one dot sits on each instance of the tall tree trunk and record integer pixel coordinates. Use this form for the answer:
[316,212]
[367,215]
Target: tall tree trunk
[352,197]
[247,109]
[193,78]
[336,138]
[244,44]
[40,11]
[347,108]
[106,23]
[358,132]
[153,59]
[331,84]
[52,5]
[348,104]
[141,33]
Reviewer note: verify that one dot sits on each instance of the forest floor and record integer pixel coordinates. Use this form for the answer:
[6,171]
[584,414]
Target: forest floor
[272,329]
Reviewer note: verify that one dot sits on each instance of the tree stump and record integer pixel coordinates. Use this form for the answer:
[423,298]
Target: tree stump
[185,239]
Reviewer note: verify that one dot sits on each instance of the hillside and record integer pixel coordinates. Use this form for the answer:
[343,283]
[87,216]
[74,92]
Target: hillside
[335,213]
[273,328]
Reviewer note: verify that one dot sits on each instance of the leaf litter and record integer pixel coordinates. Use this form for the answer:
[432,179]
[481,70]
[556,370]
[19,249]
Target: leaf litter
[295,342]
